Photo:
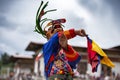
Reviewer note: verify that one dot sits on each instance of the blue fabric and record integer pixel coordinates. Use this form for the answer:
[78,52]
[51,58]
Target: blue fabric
[73,63]
[51,48]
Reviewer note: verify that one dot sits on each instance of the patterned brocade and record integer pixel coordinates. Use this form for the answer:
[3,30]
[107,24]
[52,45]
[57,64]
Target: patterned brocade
[60,65]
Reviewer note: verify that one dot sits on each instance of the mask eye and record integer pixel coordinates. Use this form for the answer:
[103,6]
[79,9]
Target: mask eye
[57,26]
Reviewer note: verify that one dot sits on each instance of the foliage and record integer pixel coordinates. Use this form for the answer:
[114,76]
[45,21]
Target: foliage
[5,60]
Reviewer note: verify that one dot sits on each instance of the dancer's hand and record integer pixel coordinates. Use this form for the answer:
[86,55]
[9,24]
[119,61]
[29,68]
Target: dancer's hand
[81,32]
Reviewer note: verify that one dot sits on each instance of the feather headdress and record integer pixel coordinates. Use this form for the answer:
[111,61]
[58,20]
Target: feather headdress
[39,21]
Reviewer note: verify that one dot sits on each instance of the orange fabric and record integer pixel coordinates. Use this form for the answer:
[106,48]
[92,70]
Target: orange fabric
[67,34]
[70,33]
[71,54]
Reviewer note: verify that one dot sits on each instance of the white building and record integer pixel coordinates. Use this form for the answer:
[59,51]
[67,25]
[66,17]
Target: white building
[83,66]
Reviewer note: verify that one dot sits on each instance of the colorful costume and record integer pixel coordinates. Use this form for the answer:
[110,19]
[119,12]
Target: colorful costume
[96,55]
[59,62]
[51,51]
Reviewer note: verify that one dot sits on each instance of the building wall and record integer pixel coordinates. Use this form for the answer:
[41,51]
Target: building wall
[112,54]
[116,69]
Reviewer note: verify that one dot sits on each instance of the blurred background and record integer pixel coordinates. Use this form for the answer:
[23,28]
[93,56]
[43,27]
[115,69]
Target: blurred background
[19,44]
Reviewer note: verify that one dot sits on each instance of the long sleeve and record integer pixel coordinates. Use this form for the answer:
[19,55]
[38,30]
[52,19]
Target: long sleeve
[50,50]
[69,33]
[72,56]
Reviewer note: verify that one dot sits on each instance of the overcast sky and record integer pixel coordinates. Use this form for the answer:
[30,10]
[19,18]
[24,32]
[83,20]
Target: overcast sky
[100,19]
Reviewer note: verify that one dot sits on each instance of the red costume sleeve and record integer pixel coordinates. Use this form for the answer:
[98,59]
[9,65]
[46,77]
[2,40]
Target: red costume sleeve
[72,56]
[69,33]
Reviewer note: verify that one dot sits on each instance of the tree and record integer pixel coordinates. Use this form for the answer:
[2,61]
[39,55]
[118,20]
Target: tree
[5,58]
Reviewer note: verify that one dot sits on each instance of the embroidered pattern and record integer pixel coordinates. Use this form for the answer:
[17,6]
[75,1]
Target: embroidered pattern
[60,65]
